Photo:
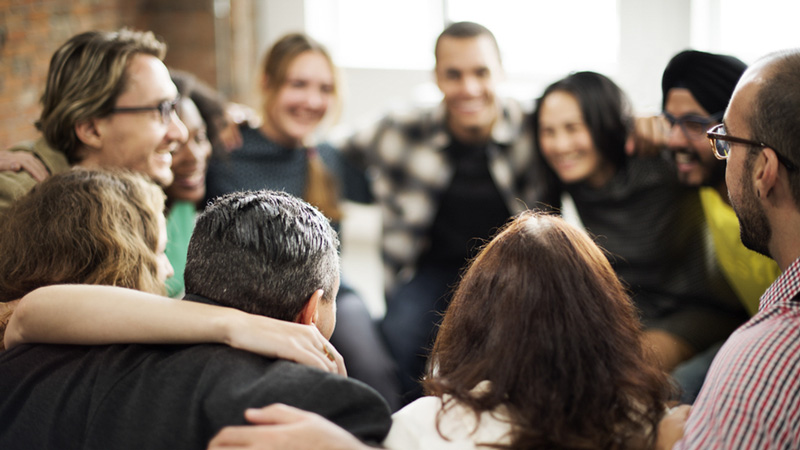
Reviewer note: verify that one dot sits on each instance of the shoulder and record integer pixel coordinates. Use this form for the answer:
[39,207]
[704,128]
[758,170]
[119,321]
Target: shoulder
[409,124]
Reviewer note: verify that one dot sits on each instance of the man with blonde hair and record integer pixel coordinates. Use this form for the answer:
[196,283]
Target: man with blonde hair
[109,102]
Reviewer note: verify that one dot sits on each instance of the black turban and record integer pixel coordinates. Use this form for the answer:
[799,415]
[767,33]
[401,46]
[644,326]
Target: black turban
[710,78]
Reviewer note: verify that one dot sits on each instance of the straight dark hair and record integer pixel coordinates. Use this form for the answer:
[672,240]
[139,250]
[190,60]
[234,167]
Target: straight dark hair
[605,108]
[542,316]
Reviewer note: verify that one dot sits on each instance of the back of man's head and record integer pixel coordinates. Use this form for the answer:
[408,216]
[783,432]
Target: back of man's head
[86,75]
[262,252]
[465,30]
[774,114]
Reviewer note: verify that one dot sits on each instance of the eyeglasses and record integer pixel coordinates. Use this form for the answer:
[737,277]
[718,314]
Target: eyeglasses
[693,125]
[165,109]
[721,144]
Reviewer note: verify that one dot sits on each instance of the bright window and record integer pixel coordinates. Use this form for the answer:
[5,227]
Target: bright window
[539,36]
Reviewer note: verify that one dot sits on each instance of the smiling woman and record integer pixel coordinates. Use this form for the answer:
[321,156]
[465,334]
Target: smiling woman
[301,90]
[652,227]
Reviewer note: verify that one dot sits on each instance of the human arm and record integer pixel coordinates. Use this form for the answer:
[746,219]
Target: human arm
[94,315]
[236,115]
[649,137]
[285,427]
[16,161]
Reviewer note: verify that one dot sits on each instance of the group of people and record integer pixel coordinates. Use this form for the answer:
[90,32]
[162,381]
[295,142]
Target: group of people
[506,325]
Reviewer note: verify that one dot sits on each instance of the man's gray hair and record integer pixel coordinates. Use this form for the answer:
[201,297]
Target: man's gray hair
[263,252]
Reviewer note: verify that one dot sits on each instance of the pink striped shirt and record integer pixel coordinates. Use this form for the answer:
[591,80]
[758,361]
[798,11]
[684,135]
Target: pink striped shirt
[751,396]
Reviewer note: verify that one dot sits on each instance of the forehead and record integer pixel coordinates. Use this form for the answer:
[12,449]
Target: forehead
[560,105]
[189,114]
[466,53]
[148,80]
[680,102]
[310,64]
[741,103]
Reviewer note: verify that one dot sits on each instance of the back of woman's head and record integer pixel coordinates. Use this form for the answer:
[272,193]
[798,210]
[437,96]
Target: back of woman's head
[541,315]
[605,108]
[82,226]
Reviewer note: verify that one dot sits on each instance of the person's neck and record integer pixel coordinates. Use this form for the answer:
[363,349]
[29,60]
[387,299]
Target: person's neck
[784,245]
[275,136]
[473,136]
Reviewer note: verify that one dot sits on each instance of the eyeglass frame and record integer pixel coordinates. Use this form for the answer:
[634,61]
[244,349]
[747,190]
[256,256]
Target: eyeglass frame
[703,120]
[714,136]
[165,109]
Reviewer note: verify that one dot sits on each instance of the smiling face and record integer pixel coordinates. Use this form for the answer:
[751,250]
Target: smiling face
[298,105]
[696,163]
[139,141]
[566,144]
[467,72]
[189,162]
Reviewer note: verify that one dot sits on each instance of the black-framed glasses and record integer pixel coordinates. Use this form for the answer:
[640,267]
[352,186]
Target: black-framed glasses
[165,109]
[694,126]
[721,145]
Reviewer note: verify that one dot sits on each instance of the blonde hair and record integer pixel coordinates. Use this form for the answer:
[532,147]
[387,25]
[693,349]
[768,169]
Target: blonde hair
[321,189]
[86,75]
[83,226]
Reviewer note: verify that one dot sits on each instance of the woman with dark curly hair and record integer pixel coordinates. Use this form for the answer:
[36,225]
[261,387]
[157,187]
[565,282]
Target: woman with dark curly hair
[540,348]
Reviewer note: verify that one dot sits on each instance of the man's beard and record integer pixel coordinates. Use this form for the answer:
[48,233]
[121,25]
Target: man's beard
[754,228]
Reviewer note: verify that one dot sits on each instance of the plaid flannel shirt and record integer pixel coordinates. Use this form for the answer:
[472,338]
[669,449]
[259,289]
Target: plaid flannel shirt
[409,170]
[751,396]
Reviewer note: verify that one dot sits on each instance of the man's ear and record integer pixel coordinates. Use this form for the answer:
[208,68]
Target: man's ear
[309,314]
[765,172]
[89,133]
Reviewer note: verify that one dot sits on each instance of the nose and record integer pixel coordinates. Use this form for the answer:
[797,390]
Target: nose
[167,268]
[561,142]
[315,98]
[677,137]
[176,130]
[471,86]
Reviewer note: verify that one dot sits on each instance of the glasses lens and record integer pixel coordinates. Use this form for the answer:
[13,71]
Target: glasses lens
[695,128]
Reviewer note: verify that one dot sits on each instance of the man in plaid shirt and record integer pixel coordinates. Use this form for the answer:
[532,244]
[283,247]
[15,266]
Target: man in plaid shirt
[751,396]
[445,179]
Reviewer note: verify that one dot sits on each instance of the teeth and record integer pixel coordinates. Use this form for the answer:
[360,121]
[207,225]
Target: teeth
[683,158]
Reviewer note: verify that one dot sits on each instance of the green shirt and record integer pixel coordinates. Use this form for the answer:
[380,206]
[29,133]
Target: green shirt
[180,223]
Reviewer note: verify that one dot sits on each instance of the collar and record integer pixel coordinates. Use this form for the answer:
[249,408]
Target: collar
[783,289]
[510,120]
[201,299]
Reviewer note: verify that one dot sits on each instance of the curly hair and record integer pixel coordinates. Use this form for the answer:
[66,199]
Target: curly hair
[83,226]
[541,314]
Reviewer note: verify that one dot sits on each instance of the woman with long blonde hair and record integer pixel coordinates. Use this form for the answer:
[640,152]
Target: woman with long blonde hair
[301,91]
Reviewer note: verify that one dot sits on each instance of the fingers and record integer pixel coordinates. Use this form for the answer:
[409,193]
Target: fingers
[276,414]
[16,161]
[338,360]
[650,135]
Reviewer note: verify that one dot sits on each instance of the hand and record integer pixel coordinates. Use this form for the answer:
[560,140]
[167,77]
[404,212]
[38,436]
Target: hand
[285,427]
[286,340]
[16,161]
[649,137]
[237,114]
[670,429]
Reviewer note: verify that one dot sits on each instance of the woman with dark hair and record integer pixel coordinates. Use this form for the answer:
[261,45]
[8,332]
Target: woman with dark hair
[202,110]
[652,226]
[539,348]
